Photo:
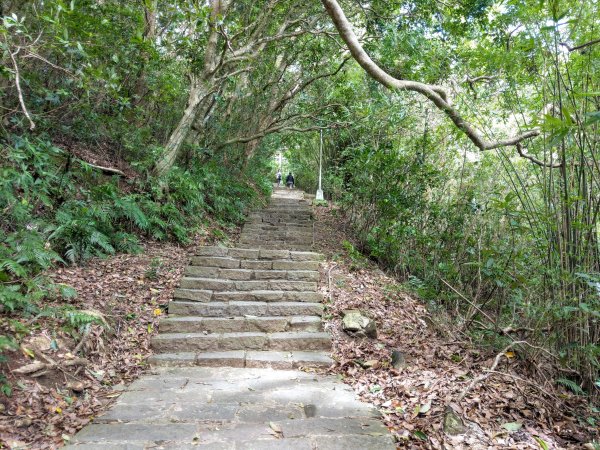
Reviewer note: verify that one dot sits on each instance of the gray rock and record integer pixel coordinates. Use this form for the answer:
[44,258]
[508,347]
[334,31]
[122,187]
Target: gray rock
[398,359]
[453,424]
[358,324]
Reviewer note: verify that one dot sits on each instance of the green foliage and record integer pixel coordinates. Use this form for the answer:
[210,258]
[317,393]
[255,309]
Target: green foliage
[80,320]
[357,260]
[58,212]
[571,385]
[491,238]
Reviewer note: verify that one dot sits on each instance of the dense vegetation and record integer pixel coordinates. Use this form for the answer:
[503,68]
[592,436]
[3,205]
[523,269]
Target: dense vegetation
[142,119]
[507,245]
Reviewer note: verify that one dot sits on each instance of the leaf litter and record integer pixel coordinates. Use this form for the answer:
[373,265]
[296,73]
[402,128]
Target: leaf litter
[69,378]
[433,365]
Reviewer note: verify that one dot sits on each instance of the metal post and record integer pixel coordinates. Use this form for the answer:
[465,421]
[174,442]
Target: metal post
[319,195]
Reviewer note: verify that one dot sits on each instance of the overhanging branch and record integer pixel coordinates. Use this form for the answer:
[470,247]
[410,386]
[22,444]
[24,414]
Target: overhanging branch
[580,46]
[434,93]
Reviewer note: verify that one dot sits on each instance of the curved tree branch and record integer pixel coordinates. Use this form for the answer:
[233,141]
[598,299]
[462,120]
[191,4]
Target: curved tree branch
[277,129]
[18,86]
[581,46]
[535,160]
[434,93]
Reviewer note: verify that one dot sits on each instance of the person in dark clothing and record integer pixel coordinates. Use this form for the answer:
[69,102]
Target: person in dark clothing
[290,180]
[278,178]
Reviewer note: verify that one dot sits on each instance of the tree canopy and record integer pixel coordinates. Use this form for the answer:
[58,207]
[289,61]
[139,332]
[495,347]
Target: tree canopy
[461,143]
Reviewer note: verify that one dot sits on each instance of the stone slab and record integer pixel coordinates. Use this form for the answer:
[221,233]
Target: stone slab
[212,251]
[196,295]
[132,432]
[173,359]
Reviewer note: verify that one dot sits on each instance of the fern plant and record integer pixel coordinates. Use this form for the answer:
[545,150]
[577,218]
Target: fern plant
[571,385]
[81,231]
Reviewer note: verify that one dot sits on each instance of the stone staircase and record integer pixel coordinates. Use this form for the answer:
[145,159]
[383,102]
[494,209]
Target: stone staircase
[286,223]
[241,313]
[252,306]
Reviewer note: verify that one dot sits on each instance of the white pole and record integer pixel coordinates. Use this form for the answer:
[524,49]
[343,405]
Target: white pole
[319,195]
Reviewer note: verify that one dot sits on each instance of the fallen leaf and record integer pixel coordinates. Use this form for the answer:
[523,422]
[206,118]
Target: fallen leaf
[27,352]
[512,426]
[276,430]
[424,409]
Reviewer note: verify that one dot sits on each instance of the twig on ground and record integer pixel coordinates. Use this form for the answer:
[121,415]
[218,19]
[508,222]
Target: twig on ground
[485,375]
[470,302]
[84,338]
[329,282]
[107,170]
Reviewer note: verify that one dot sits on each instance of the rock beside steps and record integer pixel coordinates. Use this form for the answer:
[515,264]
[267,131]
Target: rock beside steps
[241,307]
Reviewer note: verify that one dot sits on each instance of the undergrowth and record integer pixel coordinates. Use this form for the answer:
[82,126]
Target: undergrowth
[55,212]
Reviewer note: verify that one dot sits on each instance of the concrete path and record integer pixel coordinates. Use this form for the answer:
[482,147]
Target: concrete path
[221,377]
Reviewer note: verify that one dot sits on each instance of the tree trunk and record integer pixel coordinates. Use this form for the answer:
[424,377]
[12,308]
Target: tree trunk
[197,93]
[200,87]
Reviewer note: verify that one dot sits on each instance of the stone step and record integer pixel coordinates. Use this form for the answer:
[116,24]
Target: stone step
[286,209]
[283,212]
[240,308]
[280,225]
[274,206]
[269,228]
[262,239]
[262,235]
[265,324]
[274,244]
[286,246]
[285,218]
[251,274]
[275,233]
[278,229]
[230,263]
[205,296]
[259,238]
[269,296]
[216,284]
[281,220]
[230,255]
[282,341]
[241,358]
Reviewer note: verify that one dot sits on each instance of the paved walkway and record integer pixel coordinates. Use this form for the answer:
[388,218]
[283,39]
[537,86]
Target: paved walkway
[222,376]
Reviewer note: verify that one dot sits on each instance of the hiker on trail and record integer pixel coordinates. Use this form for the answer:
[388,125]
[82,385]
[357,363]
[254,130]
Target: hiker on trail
[290,180]
[278,178]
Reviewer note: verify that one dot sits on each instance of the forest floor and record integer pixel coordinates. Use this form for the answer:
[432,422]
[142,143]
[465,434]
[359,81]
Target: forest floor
[85,373]
[509,408]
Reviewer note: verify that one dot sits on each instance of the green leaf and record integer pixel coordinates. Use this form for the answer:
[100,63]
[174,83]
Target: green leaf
[512,426]
[420,435]
[592,118]
[541,443]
